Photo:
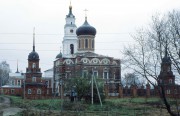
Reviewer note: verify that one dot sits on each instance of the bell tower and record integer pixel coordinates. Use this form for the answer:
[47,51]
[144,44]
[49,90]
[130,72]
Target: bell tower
[33,72]
[70,38]
[166,76]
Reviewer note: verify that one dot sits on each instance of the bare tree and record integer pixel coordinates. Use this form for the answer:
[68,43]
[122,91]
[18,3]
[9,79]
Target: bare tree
[4,72]
[146,55]
[132,79]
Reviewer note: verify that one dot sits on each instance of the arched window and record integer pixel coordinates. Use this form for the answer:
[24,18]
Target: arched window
[33,79]
[38,91]
[29,91]
[72,48]
[71,30]
[105,75]
[86,43]
[168,91]
[170,81]
[92,44]
[34,65]
[79,43]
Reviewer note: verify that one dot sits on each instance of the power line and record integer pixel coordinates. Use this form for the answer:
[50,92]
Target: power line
[48,50]
[61,43]
[118,33]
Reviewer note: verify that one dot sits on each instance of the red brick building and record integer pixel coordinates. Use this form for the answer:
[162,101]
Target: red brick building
[166,78]
[34,86]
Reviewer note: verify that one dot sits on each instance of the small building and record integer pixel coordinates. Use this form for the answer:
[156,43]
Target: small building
[14,84]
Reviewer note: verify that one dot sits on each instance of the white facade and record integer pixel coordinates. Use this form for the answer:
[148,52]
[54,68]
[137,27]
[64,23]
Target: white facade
[70,38]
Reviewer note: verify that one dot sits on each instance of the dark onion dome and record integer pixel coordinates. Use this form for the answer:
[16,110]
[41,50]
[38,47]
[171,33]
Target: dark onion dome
[59,55]
[70,12]
[33,56]
[86,29]
[166,60]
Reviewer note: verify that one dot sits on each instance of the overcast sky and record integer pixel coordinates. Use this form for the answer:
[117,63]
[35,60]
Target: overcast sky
[114,20]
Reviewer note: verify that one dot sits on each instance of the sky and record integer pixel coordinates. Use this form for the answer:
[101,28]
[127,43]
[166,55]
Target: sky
[114,20]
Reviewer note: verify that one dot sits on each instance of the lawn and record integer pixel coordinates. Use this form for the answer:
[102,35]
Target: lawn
[121,106]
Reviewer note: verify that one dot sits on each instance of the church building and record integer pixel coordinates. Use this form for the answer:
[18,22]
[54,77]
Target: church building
[80,60]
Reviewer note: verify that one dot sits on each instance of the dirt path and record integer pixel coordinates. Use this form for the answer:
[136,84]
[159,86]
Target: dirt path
[7,109]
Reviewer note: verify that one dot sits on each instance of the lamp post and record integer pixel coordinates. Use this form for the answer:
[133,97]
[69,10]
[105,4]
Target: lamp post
[24,89]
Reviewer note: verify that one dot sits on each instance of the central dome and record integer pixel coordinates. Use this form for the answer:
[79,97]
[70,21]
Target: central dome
[86,29]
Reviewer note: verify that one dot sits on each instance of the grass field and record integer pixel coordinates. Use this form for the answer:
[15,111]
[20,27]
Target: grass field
[122,106]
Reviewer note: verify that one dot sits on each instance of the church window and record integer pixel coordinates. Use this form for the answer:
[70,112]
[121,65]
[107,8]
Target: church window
[114,76]
[47,83]
[85,73]
[72,48]
[105,75]
[170,81]
[168,91]
[12,91]
[92,43]
[71,30]
[33,65]
[18,82]
[68,74]
[38,91]
[86,43]
[95,73]
[29,91]
[79,44]
[33,79]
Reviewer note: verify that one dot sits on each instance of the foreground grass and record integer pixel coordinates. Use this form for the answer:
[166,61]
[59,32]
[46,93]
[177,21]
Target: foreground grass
[124,106]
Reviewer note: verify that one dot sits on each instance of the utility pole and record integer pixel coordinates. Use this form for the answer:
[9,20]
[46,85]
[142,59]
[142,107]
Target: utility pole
[98,91]
[61,94]
[92,89]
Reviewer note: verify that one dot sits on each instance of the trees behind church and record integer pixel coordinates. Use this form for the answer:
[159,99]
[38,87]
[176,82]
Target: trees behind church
[145,56]
[4,72]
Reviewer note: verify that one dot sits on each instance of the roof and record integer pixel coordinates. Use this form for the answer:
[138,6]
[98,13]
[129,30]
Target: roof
[37,84]
[11,86]
[90,54]
[51,69]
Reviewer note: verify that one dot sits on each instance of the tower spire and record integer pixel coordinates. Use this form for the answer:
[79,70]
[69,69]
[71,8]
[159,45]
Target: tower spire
[166,53]
[17,67]
[70,8]
[34,39]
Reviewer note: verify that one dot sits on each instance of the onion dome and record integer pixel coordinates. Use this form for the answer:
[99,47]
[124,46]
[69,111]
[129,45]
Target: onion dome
[33,56]
[86,29]
[59,55]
